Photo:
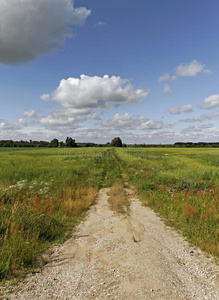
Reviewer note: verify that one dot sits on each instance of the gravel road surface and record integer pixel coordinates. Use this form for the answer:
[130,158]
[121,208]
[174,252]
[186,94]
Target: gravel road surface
[133,256]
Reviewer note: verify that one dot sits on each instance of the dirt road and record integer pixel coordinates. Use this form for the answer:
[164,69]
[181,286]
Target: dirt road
[133,256]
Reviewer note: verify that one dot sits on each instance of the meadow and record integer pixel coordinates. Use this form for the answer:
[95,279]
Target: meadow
[181,185]
[45,192]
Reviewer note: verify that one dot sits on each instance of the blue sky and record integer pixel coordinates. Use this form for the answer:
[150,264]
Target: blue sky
[144,70]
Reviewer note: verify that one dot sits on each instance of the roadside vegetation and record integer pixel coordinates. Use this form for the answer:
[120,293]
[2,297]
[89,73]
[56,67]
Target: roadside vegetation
[182,185]
[45,192]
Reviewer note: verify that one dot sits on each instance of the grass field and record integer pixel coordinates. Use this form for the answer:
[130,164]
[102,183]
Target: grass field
[44,193]
[182,185]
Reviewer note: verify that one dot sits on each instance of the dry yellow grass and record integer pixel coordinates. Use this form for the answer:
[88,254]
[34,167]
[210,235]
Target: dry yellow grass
[78,199]
[117,199]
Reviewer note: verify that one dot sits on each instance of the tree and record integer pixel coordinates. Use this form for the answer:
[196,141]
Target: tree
[116,142]
[54,143]
[70,142]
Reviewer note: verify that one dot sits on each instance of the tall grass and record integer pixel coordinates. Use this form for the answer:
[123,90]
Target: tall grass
[43,193]
[182,185]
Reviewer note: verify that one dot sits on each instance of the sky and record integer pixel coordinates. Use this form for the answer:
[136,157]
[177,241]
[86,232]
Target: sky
[144,70]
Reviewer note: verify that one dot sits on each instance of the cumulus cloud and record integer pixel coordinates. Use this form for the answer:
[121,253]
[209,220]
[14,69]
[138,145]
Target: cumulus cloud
[191,69]
[208,133]
[119,121]
[164,77]
[167,89]
[45,97]
[180,109]
[29,113]
[201,118]
[127,122]
[13,126]
[210,102]
[57,123]
[81,96]
[29,28]
[62,119]
[193,129]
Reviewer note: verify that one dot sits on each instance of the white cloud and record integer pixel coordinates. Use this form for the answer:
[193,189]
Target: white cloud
[169,124]
[127,122]
[101,134]
[51,122]
[213,131]
[193,129]
[100,24]
[29,28]
[173,77]
[167,89]
[13,126]
[81,96]
[190,70]
[180,109]
[210,102]
[164,77]
[45,97]
[201,118]
[29,113]
[119,121]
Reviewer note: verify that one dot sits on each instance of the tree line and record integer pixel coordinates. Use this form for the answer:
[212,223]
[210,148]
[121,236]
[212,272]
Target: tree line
[69,142]
[116,142]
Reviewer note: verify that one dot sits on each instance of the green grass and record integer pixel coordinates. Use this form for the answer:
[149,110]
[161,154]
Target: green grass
[182,185]
[43,194]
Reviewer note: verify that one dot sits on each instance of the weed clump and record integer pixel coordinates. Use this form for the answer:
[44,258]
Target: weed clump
[117,199]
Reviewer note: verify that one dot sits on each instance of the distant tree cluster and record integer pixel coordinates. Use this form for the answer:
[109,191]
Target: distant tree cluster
[10,143]
[53,144]
[116,142]
[70,142]
[199,144]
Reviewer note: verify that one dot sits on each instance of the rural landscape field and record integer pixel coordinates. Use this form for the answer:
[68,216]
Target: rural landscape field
[45,192]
